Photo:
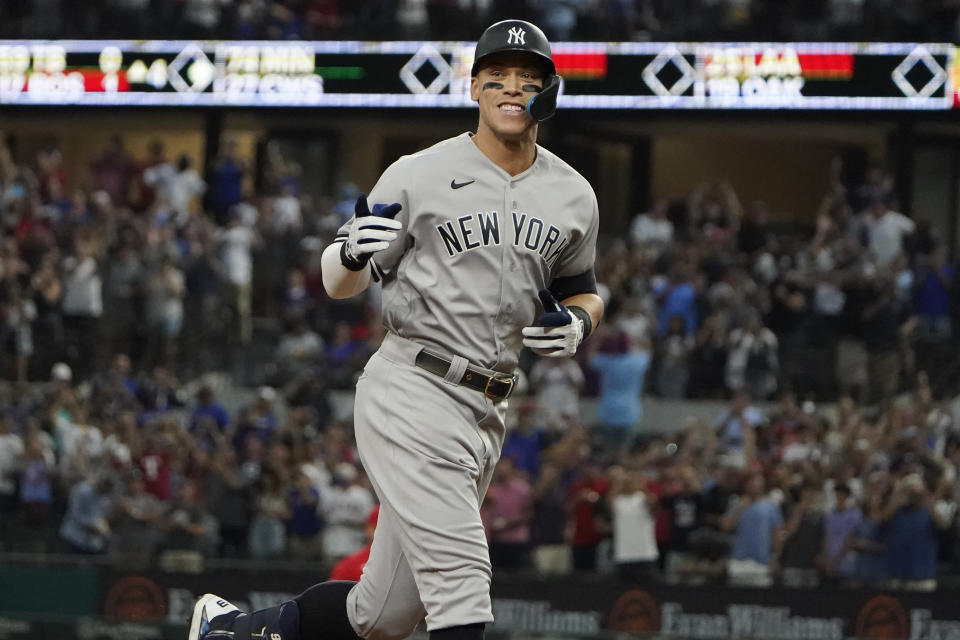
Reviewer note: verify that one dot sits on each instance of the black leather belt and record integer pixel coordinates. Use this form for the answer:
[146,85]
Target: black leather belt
[496,388]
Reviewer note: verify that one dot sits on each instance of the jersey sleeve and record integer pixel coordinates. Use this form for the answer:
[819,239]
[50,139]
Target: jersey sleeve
[390,188]
[579,257]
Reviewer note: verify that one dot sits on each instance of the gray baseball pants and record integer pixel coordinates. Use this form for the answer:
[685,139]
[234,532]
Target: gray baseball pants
[429,448]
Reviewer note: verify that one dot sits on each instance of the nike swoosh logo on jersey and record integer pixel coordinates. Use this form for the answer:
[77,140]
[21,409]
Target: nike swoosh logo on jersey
[456,185]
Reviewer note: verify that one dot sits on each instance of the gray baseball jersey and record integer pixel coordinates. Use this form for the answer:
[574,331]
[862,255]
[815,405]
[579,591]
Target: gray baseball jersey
[476,246]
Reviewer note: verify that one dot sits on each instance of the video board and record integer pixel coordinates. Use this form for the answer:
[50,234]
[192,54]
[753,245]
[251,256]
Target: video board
[633,75]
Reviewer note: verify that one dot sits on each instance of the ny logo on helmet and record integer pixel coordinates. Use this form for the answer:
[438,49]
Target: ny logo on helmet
[516,36]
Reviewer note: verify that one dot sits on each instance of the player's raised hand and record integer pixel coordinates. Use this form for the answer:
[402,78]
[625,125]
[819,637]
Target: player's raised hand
[371,231]
[557,333]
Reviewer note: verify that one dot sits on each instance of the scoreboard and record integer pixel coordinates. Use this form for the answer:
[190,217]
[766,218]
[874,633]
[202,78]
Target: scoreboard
[597,75]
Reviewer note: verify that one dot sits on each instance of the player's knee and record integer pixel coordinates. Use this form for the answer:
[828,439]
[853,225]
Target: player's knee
[375,619]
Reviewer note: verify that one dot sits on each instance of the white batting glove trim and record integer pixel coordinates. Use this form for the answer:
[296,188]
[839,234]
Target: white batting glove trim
[369,235]
[555,342]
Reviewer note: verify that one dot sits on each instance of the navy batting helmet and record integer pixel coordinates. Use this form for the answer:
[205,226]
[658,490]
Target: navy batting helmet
[513,35]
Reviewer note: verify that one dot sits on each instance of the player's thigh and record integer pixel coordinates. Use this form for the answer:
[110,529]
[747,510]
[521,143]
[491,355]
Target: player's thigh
[385,603]
[422,446]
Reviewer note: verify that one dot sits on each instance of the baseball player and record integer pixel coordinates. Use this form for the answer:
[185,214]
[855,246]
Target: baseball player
[484,243]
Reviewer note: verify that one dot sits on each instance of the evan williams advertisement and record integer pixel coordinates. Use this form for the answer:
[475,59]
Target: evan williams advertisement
[702,613]
[590,608]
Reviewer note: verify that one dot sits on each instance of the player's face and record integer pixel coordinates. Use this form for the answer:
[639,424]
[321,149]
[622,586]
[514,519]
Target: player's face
[502,87]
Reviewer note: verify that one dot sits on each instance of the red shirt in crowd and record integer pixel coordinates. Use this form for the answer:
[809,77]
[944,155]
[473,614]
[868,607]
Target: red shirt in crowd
[155,467]
[584,528]
[351,567]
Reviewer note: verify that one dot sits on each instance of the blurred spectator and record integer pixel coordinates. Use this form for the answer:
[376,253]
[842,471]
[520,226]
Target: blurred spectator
[551,548]
[351,567]
[678,299]
[652,232]
[208,408]
[343,355]
[622,367]
[736,427]
[36,479]
[298,351]
[150,175]
[585,508]
[558,18]
[756,523]
[267,536]
[164,288]
[508,508]
[11,460]
[136,522]
[525,441]
[558,383]
[634,542]
[683,501]
[803,538]
[123,292]
[673,369]
[47,290]
[934,282]
[345,505]
[185,186]
[839,527]
[752,361]
[236,244]
[911,535]
[189,531]
[305,526]
[85,526]
[887,322]
[154,462]
[82,306]
[202,18]
[886,230]
[229,492]
[226,181]
[113,171]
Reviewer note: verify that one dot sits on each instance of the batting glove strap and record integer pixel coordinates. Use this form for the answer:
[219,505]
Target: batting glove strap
[559,330]
[351,263]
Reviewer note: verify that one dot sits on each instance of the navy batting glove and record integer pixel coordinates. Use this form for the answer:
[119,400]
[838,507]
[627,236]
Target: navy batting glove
[554,313]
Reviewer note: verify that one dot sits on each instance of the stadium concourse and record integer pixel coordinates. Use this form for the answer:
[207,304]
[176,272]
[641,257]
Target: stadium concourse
[127,290]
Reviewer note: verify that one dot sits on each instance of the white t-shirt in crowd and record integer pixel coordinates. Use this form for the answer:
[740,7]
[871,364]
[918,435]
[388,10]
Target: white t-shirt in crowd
[559,386]
[634,538]
[11,448]
[886,234]
[345,511]
[83,290]
[653,231]
[286,214]
[236,243]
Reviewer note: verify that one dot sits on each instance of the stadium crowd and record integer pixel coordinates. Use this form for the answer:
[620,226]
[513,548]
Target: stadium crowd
[121,289]
[608,20]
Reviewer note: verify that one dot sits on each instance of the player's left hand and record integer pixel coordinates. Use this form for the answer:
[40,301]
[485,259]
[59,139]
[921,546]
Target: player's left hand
[557,333]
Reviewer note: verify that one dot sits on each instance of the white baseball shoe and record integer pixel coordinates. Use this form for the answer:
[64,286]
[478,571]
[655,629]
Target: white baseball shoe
[212,618]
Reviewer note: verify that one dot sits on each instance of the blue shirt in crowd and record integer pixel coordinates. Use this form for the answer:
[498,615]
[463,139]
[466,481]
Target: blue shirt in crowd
[911,543]
[524,449]
[755,529]
[621,384]
[680,300]
[933,299]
